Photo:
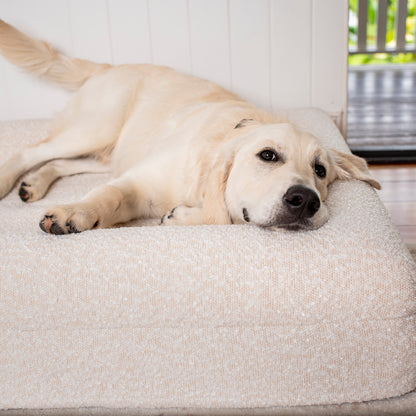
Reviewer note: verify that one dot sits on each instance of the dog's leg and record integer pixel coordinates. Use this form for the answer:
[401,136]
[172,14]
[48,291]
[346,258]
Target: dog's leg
[183,215]
[80,140]
[36,184]
[117,202]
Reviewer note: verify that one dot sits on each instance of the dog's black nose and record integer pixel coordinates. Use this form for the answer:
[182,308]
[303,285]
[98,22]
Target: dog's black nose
[301,201]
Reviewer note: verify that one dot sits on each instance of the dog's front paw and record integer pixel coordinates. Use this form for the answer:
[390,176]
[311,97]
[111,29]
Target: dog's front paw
[68,220]
[168,218]
[183,215]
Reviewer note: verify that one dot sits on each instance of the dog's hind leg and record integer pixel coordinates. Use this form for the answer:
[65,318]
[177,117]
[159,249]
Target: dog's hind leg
[36,184]
[81,139]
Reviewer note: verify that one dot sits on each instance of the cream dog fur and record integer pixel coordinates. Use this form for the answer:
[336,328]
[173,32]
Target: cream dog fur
[180,148]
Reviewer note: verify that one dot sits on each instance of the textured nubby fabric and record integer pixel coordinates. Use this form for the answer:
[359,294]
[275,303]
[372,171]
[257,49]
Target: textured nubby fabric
[203,317]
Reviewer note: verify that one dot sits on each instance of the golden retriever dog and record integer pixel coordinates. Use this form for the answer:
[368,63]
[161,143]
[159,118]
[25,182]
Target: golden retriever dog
[180,148]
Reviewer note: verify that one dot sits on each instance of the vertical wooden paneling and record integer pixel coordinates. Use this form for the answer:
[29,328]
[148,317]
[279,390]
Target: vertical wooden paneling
[291,49]
[90,30]
[130,31]
[52,25]
[169,32]
[250,50]
[329,64]
[209,37]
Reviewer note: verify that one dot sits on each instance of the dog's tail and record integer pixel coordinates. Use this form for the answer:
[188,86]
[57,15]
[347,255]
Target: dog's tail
[41,59]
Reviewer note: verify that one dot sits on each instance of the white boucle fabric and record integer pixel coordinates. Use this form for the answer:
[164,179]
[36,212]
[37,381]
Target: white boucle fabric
[203,317]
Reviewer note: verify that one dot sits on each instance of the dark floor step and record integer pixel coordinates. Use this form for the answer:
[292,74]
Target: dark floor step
[386,154]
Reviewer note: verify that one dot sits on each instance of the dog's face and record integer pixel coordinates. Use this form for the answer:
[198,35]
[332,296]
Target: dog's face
[279,177]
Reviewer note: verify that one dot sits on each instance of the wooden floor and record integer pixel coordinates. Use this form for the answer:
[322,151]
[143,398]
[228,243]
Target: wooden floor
[382,106]
[399,196]
[382,116]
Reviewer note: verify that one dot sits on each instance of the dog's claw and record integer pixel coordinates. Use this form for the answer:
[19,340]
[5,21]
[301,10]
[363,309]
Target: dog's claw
[71,228]
[167,216]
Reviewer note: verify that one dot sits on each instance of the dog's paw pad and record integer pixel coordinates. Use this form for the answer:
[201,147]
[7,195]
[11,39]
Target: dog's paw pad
[25,192]
[49,224]
[72,229]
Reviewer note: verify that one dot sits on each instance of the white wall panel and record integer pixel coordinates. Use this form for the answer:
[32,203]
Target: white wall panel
[291,53]
[329,59]
[275,53]
[90,30]
[4,94]
[250,50]
[210,47]
[130,31]
[169,31]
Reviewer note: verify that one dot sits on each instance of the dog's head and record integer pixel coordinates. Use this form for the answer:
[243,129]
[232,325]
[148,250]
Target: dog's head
[274,175]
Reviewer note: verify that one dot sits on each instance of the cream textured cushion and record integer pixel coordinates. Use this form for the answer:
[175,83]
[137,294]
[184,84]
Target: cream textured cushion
[212,317]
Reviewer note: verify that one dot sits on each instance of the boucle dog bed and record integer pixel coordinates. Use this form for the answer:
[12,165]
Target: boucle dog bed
[203,317]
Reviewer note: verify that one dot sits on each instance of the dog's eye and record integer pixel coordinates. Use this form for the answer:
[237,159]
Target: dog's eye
[320,171]
[268,155]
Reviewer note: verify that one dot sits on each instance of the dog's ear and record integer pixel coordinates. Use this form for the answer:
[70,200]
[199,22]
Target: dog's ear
[214,208]
[349,166]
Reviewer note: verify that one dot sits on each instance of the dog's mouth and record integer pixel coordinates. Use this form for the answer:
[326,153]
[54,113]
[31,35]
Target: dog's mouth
[296,226]
[283,222]
[245,215]
[292,226]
